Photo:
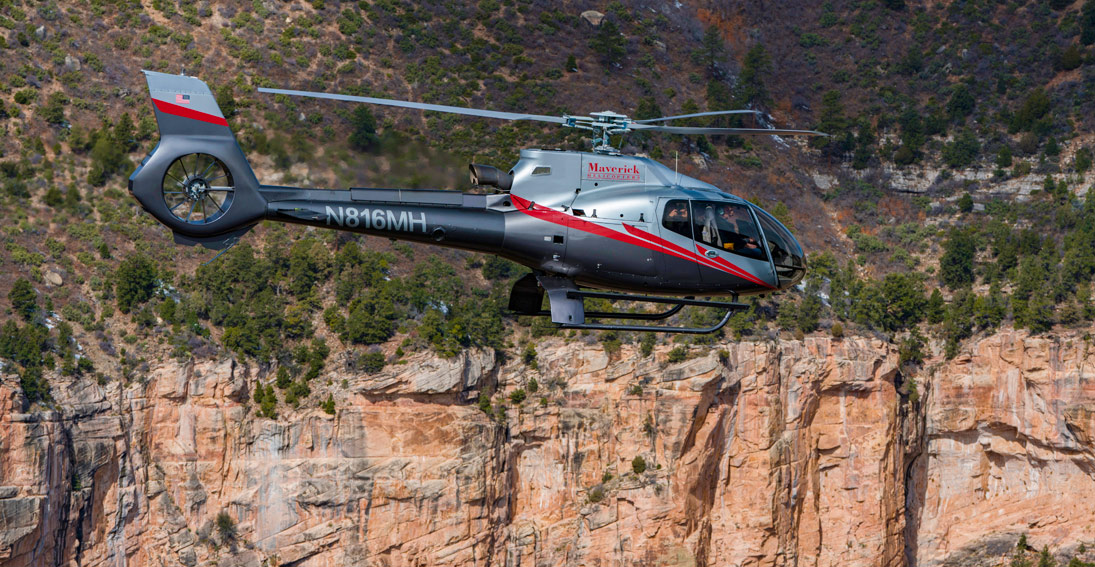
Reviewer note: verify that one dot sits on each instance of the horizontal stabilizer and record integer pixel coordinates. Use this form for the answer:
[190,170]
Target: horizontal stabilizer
[219,242]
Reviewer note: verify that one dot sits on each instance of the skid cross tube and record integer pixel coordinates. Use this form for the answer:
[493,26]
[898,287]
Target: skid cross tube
[652,328]
[581,293]
[621,315]
[678,303]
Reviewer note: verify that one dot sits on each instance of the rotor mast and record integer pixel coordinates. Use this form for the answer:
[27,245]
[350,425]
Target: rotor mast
[603,125]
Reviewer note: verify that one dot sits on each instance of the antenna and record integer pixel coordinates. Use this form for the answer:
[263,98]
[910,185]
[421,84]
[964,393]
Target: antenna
[676,156]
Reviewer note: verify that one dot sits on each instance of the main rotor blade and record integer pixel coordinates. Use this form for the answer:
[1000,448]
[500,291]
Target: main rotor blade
[713,113]
[726,131]
[421,106]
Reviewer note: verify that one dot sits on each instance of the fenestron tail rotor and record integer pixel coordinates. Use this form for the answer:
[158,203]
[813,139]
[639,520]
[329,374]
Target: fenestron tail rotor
[603,124]
[198,189]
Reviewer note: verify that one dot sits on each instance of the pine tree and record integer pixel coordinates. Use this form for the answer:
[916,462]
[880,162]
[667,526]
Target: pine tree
[24,300]
[363,125]
[608,43]
[124,133]
[956,265]
[134,282]
[751,89]
[712,50]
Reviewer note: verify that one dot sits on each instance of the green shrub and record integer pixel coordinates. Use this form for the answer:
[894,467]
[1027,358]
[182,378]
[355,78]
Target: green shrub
[962,151]
[678,354]
[226,526]
[596,494]
[638,464]
[1070,58]
[25,96]
[646,344]
[53,111]
[495,268]
[373,362]
[25,345]
[35,386]
[965,203]
[284,379]
[134,282]
[1083,160]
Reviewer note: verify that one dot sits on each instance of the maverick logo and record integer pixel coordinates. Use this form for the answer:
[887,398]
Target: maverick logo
[603,172]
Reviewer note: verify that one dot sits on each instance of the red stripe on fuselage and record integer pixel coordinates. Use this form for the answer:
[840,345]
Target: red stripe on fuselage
[717,263]
[738,270]
[673,249]
[638,237]
[176,110]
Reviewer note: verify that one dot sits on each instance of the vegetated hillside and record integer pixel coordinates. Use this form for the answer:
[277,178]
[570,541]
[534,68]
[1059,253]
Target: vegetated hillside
[961,92]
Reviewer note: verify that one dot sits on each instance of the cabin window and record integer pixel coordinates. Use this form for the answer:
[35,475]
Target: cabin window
[675,218]
[728,227]
[541,170]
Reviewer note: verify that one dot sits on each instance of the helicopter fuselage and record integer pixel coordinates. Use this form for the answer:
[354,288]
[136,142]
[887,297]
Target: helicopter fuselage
[577,219]
[603,221]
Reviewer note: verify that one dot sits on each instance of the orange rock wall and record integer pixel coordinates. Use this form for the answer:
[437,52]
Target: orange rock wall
[766,453]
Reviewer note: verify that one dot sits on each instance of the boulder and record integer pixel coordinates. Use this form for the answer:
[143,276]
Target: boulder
[593,17]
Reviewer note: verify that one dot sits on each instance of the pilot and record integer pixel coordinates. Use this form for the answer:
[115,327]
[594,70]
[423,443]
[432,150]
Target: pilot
[736,222]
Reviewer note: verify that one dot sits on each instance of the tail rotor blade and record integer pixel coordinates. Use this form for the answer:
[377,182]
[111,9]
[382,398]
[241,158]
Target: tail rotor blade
[422,106]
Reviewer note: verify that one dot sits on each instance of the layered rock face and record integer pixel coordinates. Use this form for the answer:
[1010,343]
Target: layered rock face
[777,453]
[1009,449]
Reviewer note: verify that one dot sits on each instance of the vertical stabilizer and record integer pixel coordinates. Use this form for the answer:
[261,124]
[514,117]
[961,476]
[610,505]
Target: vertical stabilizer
[185,106]
[197,181]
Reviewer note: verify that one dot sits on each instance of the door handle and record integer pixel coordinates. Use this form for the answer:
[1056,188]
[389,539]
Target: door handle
[710,254]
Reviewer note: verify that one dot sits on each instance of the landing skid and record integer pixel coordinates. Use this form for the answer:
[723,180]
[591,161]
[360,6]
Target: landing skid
[568,308]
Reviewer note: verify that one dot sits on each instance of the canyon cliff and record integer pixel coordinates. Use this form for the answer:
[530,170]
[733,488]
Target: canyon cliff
[819,451]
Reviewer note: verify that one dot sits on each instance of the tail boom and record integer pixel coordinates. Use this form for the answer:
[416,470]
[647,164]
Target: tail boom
[444,218]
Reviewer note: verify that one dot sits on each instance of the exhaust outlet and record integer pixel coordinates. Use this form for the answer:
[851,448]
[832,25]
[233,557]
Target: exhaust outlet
[491,176]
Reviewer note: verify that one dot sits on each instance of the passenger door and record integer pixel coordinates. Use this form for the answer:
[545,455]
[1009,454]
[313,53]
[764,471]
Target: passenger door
[675,227]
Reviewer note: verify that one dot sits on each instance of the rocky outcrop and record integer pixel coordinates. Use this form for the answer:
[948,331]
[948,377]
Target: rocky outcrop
[1008,449]
[757,453]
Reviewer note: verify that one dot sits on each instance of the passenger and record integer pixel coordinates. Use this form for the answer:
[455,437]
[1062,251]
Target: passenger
[676,218]
[710,232]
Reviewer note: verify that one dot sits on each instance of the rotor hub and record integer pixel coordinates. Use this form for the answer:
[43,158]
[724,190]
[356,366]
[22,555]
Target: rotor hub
[196,188]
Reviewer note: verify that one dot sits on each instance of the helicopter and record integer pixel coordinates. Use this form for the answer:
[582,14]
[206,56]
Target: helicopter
[596,224]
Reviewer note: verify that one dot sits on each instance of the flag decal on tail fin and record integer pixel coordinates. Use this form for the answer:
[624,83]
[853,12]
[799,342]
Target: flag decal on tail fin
[182,99]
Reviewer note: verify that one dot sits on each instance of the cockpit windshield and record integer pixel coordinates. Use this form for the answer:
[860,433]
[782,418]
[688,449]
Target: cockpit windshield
[786,251]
